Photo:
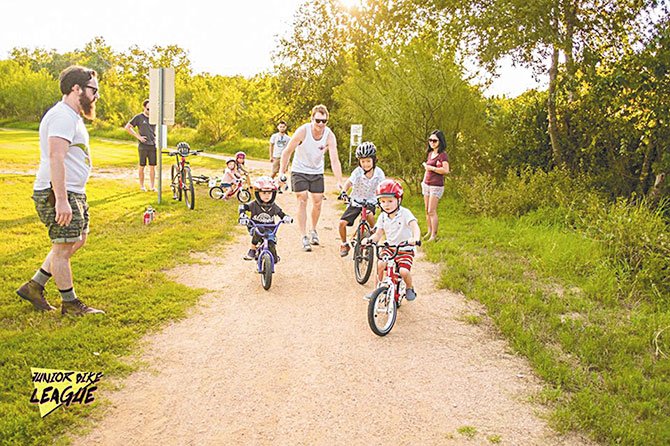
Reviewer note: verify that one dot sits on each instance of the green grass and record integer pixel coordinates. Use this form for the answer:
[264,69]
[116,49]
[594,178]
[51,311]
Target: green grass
[553,293]
[119,270]
[20,149]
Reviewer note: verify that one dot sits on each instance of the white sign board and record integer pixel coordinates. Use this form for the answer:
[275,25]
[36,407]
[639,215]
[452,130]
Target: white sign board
[356,134]
[155,94]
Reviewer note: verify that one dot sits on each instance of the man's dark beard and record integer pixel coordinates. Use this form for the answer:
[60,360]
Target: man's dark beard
[87,106]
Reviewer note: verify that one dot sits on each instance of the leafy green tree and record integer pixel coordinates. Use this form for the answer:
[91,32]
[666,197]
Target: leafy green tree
[400,98]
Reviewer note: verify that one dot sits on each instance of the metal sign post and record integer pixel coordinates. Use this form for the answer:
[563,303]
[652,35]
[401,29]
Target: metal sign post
[161,112]
[355,139]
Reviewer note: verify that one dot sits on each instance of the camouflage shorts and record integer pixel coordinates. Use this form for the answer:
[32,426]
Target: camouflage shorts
[47,213]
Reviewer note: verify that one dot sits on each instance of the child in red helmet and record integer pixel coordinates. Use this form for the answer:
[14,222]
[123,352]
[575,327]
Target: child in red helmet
[399,225]
[263,210]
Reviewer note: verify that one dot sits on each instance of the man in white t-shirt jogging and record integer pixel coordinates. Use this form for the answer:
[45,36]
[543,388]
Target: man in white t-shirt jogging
[278,142]
[59,191]
[310,143]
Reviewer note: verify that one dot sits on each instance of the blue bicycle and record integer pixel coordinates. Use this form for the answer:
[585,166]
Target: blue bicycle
[264,256]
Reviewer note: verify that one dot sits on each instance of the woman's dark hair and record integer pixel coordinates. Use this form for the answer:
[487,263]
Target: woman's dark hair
[442,146]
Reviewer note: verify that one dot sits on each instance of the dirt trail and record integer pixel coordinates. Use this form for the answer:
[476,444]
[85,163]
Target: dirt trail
[299,365]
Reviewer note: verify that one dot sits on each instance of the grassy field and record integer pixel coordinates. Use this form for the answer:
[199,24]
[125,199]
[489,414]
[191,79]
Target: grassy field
[119,270]
[553,294]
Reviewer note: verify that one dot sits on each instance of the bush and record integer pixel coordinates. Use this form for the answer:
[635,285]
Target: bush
[635,235]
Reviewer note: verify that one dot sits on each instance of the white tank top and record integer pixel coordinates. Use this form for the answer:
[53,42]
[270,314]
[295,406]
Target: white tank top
[309,155]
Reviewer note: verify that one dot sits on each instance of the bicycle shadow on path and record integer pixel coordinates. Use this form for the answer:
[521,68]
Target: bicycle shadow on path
[298,364]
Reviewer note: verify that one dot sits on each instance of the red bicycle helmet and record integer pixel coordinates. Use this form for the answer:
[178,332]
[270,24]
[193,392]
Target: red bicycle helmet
[240,155]
[265,184]
[389,188]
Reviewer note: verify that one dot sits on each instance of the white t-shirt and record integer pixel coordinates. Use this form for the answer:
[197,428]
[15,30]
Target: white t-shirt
[63,122]
[397,229]
[363,188]
[279,143]
[309,154]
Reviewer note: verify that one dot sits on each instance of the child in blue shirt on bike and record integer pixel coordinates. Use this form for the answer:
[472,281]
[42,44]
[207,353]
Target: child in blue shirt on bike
[363,180]
[263,210]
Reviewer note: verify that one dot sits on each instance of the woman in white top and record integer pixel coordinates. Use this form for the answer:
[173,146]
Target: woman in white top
[310,143]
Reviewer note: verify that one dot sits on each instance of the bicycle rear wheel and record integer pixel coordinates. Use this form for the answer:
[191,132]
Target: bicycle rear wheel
[189,189]
[364,256]
[382,311]
[266,270]
[216,192]
[174,186]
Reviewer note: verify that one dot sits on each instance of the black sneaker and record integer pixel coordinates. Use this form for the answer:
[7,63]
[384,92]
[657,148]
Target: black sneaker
[78,308]
[250,255]
[34,293]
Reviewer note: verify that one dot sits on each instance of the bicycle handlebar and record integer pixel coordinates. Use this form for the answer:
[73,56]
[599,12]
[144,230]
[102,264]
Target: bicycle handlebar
[175,153]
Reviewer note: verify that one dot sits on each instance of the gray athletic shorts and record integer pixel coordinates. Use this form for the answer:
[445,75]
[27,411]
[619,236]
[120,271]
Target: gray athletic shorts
[301,182]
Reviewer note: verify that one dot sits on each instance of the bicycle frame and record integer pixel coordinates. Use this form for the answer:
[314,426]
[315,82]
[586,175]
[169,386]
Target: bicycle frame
[391,274]
[267,237]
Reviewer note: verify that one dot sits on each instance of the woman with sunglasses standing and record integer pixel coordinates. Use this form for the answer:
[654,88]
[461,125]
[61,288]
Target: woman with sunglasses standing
[432,186]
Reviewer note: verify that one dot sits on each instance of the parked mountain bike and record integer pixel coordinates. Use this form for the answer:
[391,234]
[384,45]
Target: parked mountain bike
[364,256]
[265,259]
[180,173]
[240,187]
[387,298]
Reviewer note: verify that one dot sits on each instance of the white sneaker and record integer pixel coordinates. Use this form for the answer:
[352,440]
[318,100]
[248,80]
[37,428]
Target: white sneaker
[314,237]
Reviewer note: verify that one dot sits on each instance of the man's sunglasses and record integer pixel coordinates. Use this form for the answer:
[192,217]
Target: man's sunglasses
[95,90]
[320,121]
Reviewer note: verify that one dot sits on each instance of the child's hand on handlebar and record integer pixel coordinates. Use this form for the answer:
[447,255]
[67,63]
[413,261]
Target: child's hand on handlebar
[287,219]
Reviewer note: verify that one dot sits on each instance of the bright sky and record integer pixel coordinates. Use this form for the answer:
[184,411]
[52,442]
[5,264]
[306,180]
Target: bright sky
[221,37]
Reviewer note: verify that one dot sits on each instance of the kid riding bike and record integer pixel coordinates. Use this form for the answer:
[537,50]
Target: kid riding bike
[180,173]
[262,227]
[387,298]
[402,232]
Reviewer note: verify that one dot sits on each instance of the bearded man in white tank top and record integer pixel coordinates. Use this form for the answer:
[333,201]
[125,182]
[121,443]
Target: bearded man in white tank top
[310,143]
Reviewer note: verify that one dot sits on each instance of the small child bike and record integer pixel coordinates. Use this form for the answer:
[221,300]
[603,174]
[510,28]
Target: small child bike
[265,259]
[387,298]
[240,187]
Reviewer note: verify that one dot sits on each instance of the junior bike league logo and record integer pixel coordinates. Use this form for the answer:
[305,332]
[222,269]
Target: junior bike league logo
[53,388]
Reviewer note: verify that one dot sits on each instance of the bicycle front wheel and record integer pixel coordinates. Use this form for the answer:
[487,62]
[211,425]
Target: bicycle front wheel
[382,311]
[244,196]
[174,186]
[189,189]
[266,270]
[364,256]
[216,192]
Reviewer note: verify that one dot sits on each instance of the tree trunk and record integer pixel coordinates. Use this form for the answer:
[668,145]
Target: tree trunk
[551,109]
[646,170]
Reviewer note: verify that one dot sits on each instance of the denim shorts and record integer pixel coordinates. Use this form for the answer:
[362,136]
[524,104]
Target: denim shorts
[435,191]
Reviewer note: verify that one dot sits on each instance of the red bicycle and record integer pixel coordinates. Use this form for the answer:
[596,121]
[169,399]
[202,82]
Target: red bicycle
[240,187]
[364,256]
[180,173]
[387,298]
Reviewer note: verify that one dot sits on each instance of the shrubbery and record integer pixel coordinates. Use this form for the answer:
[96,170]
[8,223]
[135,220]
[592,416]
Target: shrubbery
[635,235]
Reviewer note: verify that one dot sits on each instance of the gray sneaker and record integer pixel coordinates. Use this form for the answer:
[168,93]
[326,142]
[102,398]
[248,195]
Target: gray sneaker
[34,293]
[78,308]
[314,237]
[305,244]
[410,294]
